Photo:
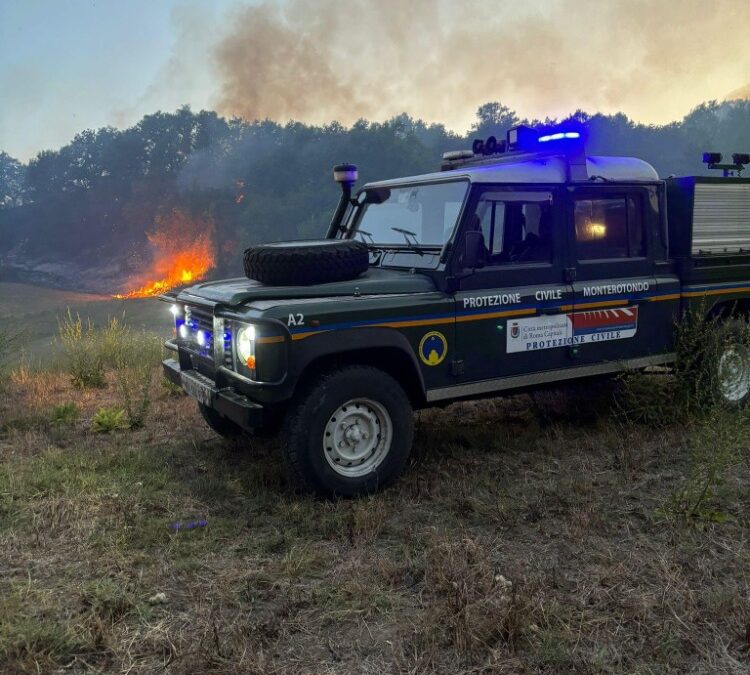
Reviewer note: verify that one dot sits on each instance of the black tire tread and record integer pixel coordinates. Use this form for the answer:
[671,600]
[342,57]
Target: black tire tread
[734,326]
[301,264]
[296,427]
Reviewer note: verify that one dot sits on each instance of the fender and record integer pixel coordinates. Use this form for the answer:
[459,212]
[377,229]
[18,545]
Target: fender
[348,342]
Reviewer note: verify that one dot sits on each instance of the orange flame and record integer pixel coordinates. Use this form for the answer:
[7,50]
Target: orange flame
[182,251]
[240,196]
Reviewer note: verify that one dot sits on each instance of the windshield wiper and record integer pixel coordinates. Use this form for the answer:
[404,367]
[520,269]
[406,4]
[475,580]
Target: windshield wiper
[408,233]
[372,247]
[368,235]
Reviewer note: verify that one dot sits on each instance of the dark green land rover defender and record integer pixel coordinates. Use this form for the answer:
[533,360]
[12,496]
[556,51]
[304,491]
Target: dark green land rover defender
[523,262]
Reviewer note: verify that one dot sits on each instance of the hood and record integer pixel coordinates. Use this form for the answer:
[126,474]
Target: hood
[376,281]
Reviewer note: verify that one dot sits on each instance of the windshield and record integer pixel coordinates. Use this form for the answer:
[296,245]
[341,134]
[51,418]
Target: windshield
[416,215]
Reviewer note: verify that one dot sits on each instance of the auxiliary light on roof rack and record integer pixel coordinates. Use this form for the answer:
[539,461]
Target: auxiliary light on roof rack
[739,159]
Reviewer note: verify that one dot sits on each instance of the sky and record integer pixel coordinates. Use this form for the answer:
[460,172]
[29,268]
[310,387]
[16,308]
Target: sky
[69,65]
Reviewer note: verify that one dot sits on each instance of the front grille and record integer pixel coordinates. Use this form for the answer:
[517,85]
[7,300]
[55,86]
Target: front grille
[199,322]
[201,319]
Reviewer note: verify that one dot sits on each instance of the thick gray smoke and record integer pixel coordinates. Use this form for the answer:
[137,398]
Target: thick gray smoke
[439,59]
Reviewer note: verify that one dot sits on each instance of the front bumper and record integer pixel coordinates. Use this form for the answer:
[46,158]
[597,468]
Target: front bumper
[226,401]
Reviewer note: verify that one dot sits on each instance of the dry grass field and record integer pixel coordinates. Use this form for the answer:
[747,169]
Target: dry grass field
[546,535]
[35,311]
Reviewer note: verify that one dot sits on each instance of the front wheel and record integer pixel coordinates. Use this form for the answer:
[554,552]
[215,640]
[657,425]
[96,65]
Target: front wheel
[350,433]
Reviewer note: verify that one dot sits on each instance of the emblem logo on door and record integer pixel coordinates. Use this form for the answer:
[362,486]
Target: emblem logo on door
[433,348]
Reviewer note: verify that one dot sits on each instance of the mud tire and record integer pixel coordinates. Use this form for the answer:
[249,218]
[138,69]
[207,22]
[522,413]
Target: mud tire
[303,445]
[301,263]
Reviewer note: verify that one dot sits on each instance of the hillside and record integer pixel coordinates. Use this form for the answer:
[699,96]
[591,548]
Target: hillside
[35,311]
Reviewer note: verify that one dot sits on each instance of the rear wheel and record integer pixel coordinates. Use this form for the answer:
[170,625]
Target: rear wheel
[350,433]
[733,366]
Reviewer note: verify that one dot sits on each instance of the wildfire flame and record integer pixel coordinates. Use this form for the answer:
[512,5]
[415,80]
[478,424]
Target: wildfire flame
[182,251]
[240,195]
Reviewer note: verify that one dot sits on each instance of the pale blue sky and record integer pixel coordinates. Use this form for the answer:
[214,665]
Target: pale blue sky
[70,65]
[67,65]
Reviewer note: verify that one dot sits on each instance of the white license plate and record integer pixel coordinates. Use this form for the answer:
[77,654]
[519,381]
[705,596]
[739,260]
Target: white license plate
[203,393]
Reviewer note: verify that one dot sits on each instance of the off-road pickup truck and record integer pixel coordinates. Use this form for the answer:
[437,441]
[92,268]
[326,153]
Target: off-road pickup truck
[523,262]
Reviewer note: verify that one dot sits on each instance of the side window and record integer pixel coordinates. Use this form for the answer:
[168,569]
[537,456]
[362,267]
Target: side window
[516,226]
[611,227]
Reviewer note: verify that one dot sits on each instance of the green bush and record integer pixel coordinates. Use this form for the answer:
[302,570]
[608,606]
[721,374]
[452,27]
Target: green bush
[170,388]
[715,444]
[65,413]
[107,420]
[113,339]
[690,396]
[133,356]
[82,350]
[135,361]
[690,391]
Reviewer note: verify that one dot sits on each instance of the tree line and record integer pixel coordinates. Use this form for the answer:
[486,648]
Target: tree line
[99,196]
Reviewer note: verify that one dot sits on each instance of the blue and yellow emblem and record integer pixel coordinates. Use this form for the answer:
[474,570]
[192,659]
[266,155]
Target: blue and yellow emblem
[433,348]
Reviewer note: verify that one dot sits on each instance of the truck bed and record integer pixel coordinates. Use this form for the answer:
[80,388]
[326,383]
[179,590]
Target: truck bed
[709,228]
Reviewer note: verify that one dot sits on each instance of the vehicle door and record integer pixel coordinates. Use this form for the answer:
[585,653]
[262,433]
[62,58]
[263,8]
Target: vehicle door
[511,310]
[622,309]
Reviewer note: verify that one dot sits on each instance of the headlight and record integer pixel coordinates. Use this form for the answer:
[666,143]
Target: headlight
[180,329]
[246,346]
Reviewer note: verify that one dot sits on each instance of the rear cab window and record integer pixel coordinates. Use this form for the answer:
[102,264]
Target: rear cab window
[610,227]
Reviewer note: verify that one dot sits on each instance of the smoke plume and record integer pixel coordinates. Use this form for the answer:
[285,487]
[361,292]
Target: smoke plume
[439,59]
[741,93]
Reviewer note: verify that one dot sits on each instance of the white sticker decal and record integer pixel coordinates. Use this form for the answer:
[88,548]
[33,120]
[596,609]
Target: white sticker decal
[296,320]
[574,328]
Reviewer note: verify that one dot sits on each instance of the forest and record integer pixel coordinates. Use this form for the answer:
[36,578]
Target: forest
[97,208]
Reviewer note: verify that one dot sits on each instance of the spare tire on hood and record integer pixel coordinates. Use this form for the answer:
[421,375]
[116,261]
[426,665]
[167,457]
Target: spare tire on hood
[292,263]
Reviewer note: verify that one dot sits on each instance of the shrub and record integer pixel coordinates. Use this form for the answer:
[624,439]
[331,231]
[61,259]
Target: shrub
[108,419]
[715,443]
[132,355]
[82,350]
[10,345]
[23,373]
[170,388]
[135,361]
[65,413]
[691,391]
[690,396]
[113,339]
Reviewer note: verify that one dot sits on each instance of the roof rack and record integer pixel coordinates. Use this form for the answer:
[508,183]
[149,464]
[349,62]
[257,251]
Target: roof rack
[713,160]
[523,141]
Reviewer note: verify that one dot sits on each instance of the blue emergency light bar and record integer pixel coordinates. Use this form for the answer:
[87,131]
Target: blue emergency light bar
[559,136]
[523,138]
[567,138]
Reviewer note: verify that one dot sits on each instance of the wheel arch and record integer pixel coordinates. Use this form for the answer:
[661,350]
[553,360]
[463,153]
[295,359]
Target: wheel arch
[729,309]
[382,348]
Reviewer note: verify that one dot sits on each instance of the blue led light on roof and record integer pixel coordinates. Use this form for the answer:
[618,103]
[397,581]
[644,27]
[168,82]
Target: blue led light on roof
[559,136]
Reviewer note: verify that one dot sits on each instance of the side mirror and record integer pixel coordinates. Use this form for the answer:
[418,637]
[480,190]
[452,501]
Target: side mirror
[473,245]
